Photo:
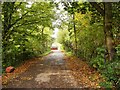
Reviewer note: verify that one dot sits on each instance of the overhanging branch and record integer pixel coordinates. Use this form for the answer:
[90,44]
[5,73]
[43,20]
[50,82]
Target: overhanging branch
[97,7]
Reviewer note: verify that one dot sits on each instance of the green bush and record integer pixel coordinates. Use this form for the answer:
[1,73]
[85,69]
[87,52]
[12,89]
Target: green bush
[109,69]
[118,51]
[106,84]
[99,61]
[112,73]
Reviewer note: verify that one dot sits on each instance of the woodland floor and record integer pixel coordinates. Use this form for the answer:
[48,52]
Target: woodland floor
[55,70]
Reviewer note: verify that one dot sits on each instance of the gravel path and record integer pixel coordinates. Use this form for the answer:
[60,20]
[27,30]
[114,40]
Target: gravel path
[51,72]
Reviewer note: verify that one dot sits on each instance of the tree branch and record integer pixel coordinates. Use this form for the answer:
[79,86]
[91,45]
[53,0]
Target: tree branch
[24,23]
[97,7]
[17,20]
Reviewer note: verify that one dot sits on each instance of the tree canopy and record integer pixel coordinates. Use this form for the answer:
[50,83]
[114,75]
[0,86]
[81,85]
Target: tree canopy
[89,30]
[27,29]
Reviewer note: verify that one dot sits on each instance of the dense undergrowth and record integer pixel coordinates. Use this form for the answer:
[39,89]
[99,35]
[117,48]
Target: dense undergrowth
[109,70]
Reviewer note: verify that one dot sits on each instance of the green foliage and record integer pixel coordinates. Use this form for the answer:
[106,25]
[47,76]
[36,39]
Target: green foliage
[99,61]
[112,73]
[26,31]
[92,35]
[93,38]
[110,70]
[64,39]
[118,50]
[106,84]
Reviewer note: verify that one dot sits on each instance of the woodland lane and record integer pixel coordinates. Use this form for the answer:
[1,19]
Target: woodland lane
[51,72]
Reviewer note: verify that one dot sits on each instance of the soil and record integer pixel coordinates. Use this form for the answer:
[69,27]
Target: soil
[50,72]
[54,71]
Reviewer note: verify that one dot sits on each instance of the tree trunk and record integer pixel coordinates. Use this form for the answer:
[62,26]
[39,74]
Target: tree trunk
[107,15]
[75,34]
[108,30]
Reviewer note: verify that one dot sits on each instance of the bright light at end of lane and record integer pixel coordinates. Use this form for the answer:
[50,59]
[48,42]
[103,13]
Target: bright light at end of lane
[55,33]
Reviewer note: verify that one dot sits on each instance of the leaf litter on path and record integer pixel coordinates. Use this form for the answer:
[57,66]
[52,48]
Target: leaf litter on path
[22,68]
[83,73]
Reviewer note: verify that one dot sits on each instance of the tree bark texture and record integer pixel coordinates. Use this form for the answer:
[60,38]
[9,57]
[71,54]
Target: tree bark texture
[108,30]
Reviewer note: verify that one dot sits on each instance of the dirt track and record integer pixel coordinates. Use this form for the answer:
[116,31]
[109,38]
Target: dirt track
[51,72]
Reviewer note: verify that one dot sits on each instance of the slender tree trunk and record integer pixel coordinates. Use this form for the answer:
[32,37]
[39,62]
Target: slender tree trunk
[75,35]
[42,32]
[108,30]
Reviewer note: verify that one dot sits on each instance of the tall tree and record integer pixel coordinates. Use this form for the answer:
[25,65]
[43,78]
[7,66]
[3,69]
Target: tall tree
[105,9]
[75,34]
[22,30]
[107,16]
